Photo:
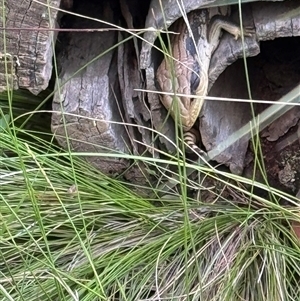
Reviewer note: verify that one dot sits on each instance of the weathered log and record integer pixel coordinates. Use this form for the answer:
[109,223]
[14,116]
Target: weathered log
[96,93]
[88,93]
[163,13]
[28,43]
[271,20]
[220,119]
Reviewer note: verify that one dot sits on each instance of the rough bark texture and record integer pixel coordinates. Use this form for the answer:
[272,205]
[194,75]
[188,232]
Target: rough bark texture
[29,51]
[89,93]
[96,93]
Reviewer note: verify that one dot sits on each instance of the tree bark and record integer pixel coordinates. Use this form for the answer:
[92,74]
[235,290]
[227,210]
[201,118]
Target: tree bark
[27,44]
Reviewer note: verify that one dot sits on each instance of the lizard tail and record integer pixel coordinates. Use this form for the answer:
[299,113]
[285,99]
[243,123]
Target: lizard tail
[192,138]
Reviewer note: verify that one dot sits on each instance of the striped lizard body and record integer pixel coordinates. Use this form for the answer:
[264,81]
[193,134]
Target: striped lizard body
[185,72]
